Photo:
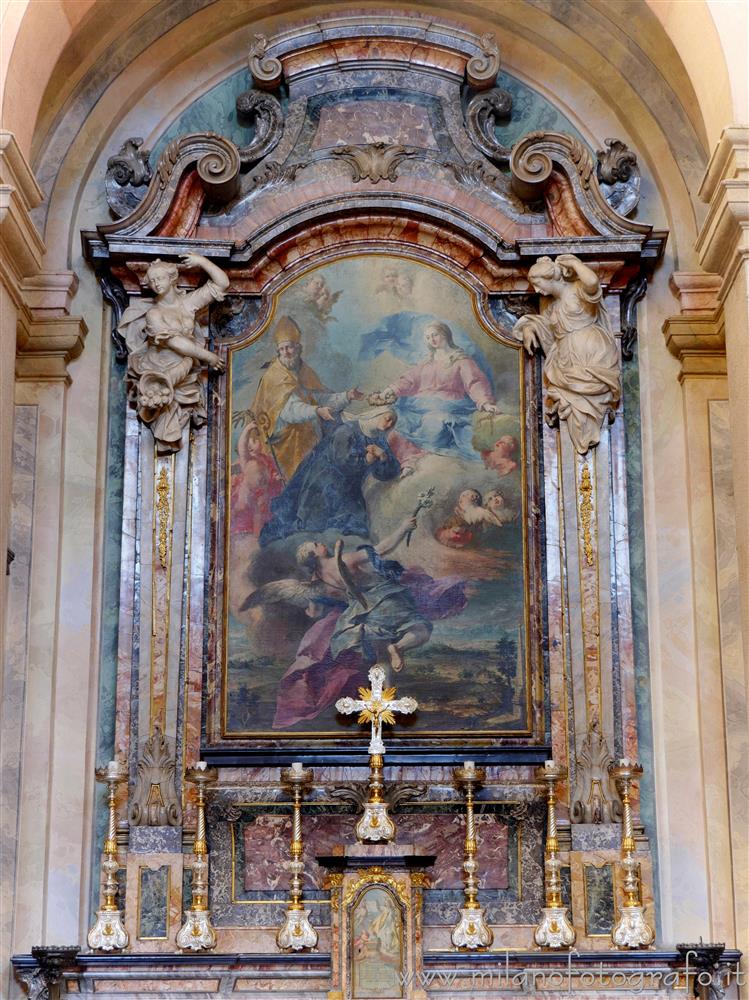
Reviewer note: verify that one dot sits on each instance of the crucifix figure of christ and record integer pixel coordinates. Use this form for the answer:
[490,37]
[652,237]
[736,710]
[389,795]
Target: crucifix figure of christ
[376,705]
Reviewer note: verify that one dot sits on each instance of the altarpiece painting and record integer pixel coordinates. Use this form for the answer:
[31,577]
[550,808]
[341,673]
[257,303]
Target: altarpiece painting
[375,419]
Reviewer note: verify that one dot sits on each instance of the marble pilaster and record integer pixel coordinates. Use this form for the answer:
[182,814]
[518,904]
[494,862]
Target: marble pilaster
[696,336]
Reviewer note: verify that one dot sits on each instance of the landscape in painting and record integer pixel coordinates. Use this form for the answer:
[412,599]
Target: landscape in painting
[375,507]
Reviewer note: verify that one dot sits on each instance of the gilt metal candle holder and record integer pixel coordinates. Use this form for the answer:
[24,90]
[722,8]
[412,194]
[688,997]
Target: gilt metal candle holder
[297,932]
[555,929]
[376,706]
[631,930]
[197,933]
[108,932]
[471,931]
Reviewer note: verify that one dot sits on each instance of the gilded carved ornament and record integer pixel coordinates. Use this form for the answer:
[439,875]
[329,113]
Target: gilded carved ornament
[375,875]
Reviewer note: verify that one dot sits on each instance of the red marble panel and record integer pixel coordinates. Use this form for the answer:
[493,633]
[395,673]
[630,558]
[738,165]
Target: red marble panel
[266,845]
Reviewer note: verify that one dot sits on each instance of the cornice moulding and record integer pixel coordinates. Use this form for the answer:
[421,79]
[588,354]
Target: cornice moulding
[44,347]
[15,171]
[698,340]
[723,242]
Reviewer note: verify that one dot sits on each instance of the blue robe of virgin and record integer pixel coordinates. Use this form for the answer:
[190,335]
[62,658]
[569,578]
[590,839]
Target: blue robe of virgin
[325,492]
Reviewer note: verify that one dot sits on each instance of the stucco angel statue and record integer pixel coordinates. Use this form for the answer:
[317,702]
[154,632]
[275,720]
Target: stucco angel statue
[581,369]
[165,356]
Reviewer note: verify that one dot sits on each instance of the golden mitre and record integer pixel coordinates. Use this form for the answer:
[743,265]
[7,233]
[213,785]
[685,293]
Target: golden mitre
[286,331]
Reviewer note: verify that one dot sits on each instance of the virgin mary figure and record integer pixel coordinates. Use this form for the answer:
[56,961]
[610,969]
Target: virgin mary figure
[437,399]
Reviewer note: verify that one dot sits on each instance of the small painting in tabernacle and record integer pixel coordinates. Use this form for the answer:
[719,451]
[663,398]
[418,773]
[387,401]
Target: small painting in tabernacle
[376,507]
[377,945]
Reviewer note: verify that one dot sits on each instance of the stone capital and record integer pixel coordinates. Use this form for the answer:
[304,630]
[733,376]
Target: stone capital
[47,336]
[45,346]
[696,335]
[723,242]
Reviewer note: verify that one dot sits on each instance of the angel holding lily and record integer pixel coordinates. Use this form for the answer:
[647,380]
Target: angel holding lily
[367,608]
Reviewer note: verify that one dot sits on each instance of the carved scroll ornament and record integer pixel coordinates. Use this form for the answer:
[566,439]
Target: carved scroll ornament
[483,113]
[581,367]
[165,356]
[127,170]
[154,799]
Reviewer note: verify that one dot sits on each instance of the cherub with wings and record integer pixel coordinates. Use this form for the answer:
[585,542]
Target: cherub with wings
[365,607]
[470,515]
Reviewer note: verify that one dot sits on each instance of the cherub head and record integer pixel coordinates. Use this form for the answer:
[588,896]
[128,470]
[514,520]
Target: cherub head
[161,275]
[308,554]
[495,501]
[469,498]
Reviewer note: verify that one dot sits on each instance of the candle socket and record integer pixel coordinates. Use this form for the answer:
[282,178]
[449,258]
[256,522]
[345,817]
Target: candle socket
[108,932]
[555,929]
[297,932]
[471,931]
[631,930]
[197,933]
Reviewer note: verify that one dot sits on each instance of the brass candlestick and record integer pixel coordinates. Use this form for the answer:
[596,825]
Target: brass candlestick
[108,933]
[197,933]
[471,931]
[555,929]
[376,706]
[631,930]
[297,932]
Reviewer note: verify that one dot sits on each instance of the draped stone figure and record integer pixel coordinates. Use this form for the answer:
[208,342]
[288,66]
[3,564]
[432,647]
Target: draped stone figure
[165,356]
[581,368]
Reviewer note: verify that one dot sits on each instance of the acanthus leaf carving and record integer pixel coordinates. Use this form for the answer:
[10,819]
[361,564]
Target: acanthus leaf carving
[154,799]
[377,161]
[484,111]
[273,174]
[593,800]
[581,361]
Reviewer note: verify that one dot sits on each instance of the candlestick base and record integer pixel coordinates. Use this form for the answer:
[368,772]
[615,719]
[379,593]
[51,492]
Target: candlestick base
[555,929]
[471,931]
[632,930]
[375,824]
[297,932]
[108,933]
[196,933]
